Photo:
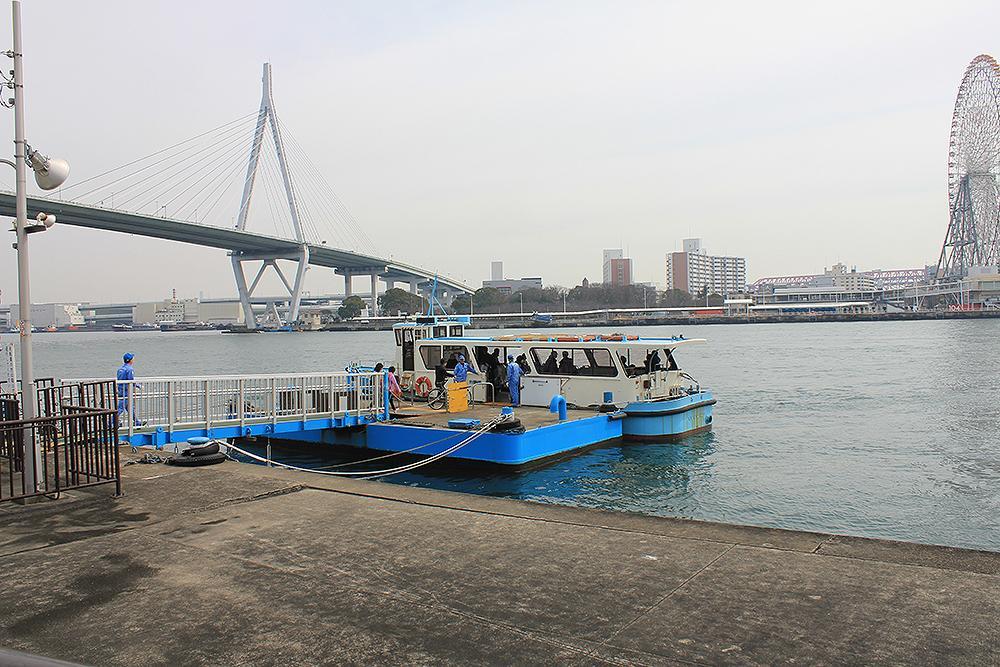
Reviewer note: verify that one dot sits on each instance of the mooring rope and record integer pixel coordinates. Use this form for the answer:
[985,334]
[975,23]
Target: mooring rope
[372,474]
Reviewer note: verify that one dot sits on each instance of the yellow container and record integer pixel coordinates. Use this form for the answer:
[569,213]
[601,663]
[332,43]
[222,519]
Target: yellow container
[458,396]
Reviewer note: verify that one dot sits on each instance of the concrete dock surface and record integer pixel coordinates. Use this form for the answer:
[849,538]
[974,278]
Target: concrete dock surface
[242,565]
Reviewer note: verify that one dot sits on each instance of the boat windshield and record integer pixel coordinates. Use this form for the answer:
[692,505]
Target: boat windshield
[640,361]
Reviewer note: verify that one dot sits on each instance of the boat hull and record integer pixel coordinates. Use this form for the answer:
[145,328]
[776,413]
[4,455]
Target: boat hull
[667,419]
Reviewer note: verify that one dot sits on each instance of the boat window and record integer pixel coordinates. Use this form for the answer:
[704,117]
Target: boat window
[399,337]
[451,353]
[440,332]
[431,354]
[584,362]
[456,331]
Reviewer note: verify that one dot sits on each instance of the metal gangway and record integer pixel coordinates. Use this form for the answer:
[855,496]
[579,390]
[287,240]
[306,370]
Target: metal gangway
[162,410]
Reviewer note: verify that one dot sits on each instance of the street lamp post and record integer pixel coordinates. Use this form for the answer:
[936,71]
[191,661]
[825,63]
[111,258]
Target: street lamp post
[50,174]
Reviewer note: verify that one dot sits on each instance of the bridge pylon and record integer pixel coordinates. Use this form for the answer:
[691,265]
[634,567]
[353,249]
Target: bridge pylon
[267,117]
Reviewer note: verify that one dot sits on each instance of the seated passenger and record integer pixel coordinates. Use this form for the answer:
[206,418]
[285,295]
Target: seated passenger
[452,361]
[566,365]
[551,365]
[522,361]
[654,362]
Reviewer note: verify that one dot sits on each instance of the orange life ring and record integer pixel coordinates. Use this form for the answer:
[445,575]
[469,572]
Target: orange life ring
[423,385]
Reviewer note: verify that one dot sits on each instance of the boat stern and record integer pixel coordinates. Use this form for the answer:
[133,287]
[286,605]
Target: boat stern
[668,418]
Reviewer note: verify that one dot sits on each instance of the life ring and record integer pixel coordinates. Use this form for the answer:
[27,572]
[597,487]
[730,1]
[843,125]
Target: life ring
[423,385]
[406,381]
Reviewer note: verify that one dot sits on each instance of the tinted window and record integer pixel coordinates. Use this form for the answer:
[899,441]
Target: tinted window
[431,354]
[578,361]
[440,332]
[456,331]
[451,353]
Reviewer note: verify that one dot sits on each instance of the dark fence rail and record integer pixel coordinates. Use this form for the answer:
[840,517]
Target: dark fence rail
[78,447]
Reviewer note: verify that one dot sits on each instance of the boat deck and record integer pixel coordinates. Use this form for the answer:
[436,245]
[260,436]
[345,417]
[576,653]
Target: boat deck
[530,417]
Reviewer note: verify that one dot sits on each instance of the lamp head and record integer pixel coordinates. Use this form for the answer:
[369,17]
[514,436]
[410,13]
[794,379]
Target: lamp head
[50,173]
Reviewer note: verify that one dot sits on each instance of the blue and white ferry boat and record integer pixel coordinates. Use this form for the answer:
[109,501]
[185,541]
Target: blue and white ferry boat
[578,391]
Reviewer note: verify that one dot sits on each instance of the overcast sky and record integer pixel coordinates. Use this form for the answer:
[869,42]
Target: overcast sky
[797,134]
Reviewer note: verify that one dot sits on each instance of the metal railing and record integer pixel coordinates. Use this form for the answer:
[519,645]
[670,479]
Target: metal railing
[205,402]
[78,448]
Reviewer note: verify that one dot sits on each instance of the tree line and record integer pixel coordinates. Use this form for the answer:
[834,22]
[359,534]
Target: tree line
[543,300]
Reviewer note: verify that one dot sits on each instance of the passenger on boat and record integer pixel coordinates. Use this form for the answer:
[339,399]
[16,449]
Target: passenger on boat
[522,361]
[514,373]
[566,365]
[463,368]
[551,365]
[653,362]
[394,383]
[440,374]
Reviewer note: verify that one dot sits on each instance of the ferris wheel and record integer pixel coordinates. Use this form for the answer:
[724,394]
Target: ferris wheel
[973,237]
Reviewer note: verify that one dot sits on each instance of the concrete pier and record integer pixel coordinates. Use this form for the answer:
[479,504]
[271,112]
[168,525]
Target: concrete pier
[242,565]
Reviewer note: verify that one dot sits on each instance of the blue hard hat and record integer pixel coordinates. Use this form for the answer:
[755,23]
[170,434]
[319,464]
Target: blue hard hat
[510,357]
[128,356]
[461,357]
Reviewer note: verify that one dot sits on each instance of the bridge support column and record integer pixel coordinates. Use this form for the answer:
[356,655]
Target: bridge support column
[348,292]
[374,308]
[301,257]
[414,286]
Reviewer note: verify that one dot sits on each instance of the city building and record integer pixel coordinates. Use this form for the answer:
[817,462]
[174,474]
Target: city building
[512,286]
[45,315]
[621,272]
[693,269]
[176,311]
[509,285]
[610,254]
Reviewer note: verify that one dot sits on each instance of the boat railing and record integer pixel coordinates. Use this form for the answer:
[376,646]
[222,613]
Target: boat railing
[206,402]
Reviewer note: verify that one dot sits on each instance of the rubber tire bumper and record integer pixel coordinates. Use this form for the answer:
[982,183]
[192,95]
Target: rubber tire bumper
[506,426]
[193,461]
[203,450]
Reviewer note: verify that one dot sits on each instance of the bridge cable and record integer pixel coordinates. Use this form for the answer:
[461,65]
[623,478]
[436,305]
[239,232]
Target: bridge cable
[226,134]
[162,150]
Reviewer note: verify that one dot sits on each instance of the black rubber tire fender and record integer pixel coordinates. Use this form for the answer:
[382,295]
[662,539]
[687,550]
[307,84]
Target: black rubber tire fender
[203,450]
[193,461]
[509,425]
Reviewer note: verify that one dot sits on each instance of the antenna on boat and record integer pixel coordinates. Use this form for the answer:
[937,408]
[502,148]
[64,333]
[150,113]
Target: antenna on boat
[434,300]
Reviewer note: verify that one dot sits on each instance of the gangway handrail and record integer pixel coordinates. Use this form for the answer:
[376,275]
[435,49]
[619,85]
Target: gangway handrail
[251,376]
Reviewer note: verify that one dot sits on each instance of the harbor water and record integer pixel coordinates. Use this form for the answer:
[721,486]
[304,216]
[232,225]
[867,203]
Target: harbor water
[880,429]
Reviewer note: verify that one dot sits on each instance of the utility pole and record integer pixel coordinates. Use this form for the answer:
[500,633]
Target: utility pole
[32,455]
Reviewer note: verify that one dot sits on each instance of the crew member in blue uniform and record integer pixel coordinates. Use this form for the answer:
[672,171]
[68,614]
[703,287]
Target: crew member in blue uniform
[514,372]
[126,373]
[462,369]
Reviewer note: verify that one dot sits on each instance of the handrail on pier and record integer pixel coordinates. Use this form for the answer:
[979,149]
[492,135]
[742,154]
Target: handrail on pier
[211,401]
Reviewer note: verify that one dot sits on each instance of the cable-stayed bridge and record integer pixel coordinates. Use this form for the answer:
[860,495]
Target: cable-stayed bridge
[246,187]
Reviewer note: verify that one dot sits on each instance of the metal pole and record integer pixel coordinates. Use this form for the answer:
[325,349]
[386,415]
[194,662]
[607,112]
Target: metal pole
[32,457]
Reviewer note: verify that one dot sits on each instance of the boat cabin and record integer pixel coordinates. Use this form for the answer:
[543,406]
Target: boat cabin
[583,368]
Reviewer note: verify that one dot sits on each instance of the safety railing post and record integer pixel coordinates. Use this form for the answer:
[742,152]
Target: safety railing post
[131,409]
[331,400]
[302,398]
[208,408]
[170,407]
[242,405]
[274,402]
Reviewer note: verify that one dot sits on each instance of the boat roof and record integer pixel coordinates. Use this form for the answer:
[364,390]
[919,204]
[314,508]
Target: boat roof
[570,340]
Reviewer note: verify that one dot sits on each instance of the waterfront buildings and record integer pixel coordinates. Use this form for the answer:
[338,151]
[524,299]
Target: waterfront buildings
[44,315]
[693,270]
[177,311]
[509,285]
[609,255]
[621,272]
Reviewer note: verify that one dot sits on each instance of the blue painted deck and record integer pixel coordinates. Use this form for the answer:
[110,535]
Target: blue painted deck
[291,429]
